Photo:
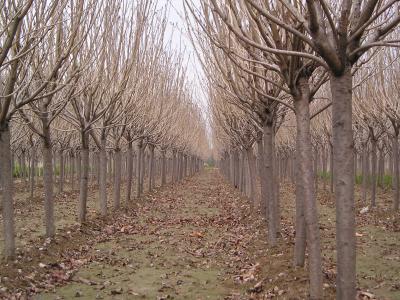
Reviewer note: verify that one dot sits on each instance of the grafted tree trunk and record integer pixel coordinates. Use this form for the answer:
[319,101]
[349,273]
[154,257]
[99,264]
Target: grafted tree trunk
[242,173]
[324,166]
[300,226]
[78,165]
[173,173]
[32,171]
[263,177]
[163,168]
[235,167]
[381,168]
[396,179]
[72,168]
[61,173]
[139,168]
[331,168]
[103,176]
[269,173]
[110,167]
[130,172]
[117,178]
[84,181]
[7,192]
[343,157]
[373,170]
[305,182]
[48,179]
[276,186]
[151,168]
[364,173]
[23,167]
[143,169]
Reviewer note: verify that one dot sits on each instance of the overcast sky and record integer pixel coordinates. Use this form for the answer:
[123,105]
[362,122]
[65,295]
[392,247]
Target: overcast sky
[177,29]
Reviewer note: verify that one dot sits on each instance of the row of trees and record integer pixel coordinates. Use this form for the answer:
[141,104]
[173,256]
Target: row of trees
[83,79]
[279,64]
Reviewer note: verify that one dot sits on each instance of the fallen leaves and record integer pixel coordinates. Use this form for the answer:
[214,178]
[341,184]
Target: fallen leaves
[197,234]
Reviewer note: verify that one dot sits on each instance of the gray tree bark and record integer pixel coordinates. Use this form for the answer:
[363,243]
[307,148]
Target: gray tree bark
[343,170]
[7,192]
[103,176]
[117,178]
[396,179]
[84,180]
[306,185]
[269,136]
[130,172]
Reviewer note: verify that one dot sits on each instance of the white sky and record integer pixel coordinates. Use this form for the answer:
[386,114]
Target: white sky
[180,39]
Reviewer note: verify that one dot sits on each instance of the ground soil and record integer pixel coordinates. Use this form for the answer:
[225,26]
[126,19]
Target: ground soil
[197,239]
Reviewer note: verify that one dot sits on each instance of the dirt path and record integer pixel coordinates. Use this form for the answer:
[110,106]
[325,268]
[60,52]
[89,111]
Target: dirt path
[189,241]
[195,240]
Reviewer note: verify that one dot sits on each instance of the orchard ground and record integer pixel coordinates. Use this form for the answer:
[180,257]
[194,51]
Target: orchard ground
[196,239]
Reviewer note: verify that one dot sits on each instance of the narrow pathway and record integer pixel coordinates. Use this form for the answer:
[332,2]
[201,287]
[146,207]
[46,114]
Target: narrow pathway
[192,240]
[187,241]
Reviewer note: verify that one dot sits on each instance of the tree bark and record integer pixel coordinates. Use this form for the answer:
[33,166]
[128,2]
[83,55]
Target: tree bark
[7,193]
[364,173]
[62,172]
[269,173]
[32,171]
[396,179]
[173,173]
[343,170]
[117,178]
[139,168]
[151,168]
[300,226]
[263,177]
[163,169]
[306,184]
[103,176]
[130,172]
[84,181]
[48,180]
[373,171]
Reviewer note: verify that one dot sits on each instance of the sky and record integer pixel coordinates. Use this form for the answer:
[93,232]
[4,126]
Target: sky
[177,29]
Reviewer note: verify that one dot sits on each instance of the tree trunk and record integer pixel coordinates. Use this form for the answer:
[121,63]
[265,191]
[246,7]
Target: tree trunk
[263,177]
[300,226]
[373,171]
[62,174]
[84,181]
[163,169]
[139,167]
[331,168]
[343,156]
[151,168]
[48,179]
[130,172]
[7,192]
[324,168]
[305,181]
[381,168]
[78,166]
[23,167]
[32,171]
[364,173]
[72,168]
[103,176]
[142,169]
[117,178]
[396,179]
[269,173]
